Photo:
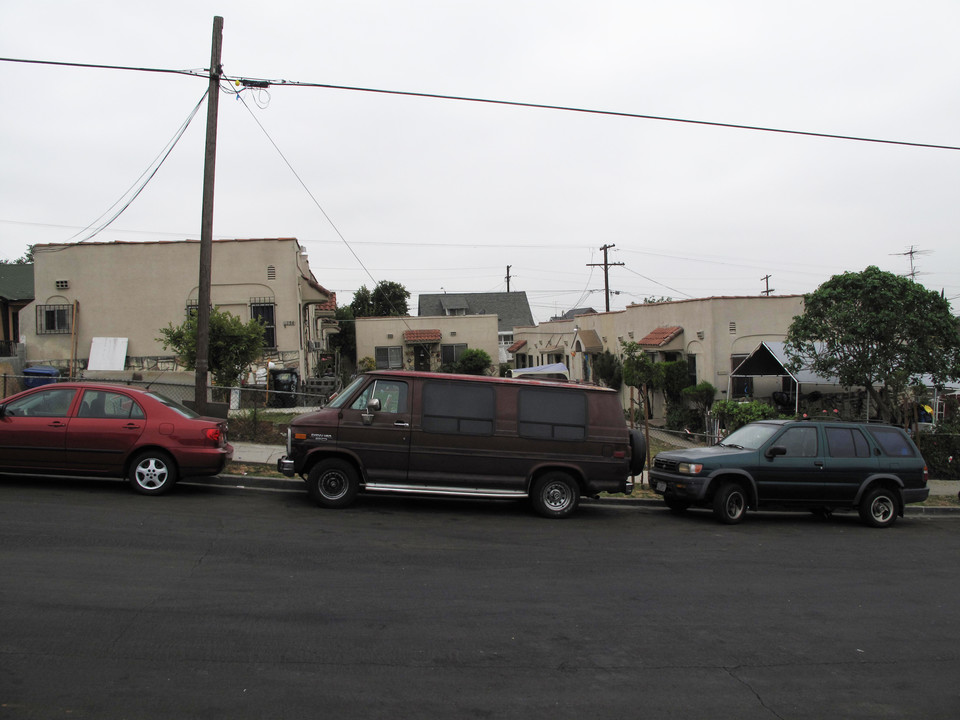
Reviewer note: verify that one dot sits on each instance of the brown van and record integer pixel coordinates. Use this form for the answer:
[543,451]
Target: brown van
[460,435]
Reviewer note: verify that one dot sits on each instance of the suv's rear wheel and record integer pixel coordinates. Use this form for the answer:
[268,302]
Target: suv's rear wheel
[730,503]
[879,507]
[333,483]
[555,495]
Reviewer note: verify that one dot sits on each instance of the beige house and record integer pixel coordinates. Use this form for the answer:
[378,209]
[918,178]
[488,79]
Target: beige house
[713,336]
[424,343]
[124,293]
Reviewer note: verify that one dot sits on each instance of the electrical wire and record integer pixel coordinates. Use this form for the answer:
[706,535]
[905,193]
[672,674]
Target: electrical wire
[263,84]
[145,177]
[318,205]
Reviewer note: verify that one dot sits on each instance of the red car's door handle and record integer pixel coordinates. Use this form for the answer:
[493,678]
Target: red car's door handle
[57,423]
[131,426]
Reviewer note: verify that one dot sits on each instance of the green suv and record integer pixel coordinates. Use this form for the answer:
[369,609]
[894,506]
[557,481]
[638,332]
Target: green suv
[797,465]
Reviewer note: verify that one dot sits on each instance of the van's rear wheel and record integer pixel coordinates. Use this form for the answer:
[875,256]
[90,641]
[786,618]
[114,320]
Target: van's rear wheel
[333,483]
[555,495]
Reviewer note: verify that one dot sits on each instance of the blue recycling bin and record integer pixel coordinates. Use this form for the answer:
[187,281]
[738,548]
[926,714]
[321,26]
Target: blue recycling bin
[40,375]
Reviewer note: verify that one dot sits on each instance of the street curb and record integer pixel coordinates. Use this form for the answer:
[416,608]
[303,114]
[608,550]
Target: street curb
[258,482]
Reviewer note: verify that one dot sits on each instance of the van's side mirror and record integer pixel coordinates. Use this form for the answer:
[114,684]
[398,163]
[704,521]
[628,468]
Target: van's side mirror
[3,409]
[774,451]
[372,407]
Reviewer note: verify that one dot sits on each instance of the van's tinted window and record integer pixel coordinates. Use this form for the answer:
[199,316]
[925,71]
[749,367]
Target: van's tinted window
[847,443]
[462,408]
[554,414]
[893,441]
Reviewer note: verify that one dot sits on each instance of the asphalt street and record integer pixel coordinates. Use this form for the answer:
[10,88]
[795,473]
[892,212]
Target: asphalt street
[211,602]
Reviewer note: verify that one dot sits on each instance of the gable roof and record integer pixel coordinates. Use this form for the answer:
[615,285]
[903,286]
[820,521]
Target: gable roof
[512,309]
[16,281]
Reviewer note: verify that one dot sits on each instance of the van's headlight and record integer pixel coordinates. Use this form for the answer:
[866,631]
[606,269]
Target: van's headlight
[689,468]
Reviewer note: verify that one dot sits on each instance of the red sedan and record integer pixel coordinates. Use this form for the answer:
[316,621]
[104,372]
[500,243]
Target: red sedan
[90,429]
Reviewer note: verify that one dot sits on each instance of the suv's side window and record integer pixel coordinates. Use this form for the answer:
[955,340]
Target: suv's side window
[893,441]
[847,443]
[799,442]
[392,395]
[462,408]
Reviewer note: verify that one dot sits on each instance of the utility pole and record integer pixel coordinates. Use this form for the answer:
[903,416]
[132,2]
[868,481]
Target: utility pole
[508,277]
[206,221]
[606,273]
[766,279]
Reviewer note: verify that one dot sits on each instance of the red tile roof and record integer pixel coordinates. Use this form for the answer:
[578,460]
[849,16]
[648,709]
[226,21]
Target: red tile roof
[422,336]
[661,336]
[516,346]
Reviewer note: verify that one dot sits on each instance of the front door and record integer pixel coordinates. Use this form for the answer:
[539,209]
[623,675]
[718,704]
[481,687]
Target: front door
[381,437]
[421,358]
[796,476]
[33,430]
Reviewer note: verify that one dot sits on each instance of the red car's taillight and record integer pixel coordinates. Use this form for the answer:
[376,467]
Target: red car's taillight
[213,435]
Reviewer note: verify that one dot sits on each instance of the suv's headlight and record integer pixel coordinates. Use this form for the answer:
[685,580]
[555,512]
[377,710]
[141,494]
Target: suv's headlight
[689,468]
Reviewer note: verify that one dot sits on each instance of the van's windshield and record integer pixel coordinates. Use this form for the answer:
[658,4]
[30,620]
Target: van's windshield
[345,394]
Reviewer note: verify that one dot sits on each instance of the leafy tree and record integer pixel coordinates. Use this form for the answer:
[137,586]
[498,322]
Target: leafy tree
[876,330]
[233,344]
[387,298]
[472,361]
[24,259]
[733,414]
[346,339]
[609,369]
[702,396]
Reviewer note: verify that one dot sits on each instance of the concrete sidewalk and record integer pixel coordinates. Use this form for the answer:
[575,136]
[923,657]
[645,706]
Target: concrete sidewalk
[269,454]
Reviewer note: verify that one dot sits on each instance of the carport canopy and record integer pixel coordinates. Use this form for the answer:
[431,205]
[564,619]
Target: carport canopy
[770,358]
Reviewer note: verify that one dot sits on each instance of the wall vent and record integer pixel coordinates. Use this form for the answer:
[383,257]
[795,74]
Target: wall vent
[62,284]
[271,272]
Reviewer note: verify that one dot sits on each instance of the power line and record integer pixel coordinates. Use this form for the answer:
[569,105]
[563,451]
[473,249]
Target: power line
[262,84]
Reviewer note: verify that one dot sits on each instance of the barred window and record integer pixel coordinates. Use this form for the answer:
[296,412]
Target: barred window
[265,310]
[54,319]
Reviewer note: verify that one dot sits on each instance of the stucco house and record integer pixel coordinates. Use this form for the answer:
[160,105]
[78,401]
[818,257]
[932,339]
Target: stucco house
[127,291]
[424,343]
[512,309]
[712,335]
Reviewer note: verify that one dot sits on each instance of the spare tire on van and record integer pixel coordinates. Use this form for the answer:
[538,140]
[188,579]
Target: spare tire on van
[638,452]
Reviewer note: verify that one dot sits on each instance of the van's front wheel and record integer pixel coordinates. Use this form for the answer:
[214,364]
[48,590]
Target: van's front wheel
[333,483]
[555,495]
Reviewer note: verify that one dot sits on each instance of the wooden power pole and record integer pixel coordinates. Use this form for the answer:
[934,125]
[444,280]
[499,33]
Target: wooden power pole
[606,273]
[206,222]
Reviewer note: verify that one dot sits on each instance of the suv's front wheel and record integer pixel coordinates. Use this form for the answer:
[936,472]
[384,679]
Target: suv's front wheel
[879,507]
[730,503]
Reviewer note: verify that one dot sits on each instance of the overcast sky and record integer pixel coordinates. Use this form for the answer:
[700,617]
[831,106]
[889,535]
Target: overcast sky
[443,195]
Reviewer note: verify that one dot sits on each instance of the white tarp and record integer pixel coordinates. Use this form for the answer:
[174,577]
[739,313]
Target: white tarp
[108,353]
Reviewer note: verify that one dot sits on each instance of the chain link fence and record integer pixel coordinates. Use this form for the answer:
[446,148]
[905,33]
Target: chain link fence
[309,397]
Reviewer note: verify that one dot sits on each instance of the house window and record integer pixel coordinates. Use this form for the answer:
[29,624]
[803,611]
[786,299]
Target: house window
[389,357]
[54,319]
[692,369]
[193,307]
[264,309]
[449,354]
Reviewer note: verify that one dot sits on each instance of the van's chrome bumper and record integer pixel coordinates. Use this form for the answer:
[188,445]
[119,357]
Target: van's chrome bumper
[285,466]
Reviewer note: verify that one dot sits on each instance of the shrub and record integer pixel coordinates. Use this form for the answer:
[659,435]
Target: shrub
[733,415]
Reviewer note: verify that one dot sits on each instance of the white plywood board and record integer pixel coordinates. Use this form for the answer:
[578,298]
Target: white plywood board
[107,353]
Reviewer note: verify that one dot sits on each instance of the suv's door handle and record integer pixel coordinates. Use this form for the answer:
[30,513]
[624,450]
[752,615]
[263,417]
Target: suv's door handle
[818,463]
[401,423]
